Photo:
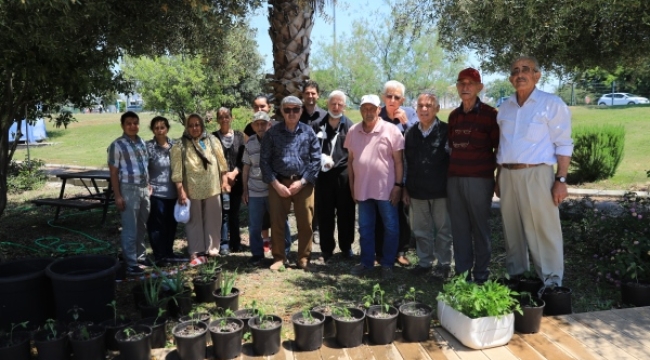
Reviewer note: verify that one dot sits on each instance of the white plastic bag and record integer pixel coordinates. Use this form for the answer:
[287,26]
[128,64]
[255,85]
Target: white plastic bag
[182,212]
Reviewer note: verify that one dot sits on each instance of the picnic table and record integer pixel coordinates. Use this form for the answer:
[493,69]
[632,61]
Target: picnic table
[96,196]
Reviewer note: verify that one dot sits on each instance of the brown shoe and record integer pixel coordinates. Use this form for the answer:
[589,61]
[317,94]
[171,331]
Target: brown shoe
[402,260]
[277,265]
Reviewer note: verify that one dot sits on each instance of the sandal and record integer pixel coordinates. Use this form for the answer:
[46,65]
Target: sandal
[198,260]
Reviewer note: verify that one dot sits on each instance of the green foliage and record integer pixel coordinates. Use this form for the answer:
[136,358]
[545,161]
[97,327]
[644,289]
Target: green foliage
[499,88]
[152,289]
[14,326]
[208,270]
[175,283]
[573,34]
[597,152]
[50,326]
[475,301]
[411,294]
[342,313]
[183,84]
[227,282]
[26,175]
[75,312]
[306,314]
[620,240]
[376,297]
[374,53]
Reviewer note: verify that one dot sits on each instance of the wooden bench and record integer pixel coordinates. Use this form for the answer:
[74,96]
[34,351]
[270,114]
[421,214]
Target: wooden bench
[71,203]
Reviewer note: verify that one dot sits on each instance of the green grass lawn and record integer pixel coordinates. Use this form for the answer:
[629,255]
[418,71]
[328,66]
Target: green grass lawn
[84,143]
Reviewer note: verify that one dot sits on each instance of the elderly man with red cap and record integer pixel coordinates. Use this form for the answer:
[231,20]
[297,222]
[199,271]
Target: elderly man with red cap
[473,136]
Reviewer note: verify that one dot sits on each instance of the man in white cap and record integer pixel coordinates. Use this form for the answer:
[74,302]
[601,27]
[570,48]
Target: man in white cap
[290,162]
[375,170]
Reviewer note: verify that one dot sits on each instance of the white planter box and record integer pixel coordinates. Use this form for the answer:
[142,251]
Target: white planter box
[478,333]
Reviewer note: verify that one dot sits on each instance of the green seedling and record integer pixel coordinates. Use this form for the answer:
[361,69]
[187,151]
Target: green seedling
[228,282]
[50,326]
[75,312]
[13,327]
[410,295]
[376,296]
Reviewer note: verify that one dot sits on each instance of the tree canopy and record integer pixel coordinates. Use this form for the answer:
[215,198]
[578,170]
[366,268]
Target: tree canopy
[183,84]
[372,54]
[560,34]
[65,51]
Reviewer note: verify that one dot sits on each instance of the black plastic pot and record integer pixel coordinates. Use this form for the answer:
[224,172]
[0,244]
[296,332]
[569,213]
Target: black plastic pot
[203,317]
[381,325]
[530,321]
[93,348]
[139,349]
[350,333]
[52,349]
[416,321]
[308,336]
[637,294]
[558,301]
[25,292]
[531,286]
[182,306]
[18,351]
[147,311]
[230,301]
[329,330]
[87,281]
[158,331]
[203,290]
[244,315]
[192,345]
[266,341]
[226,345]
[113,328]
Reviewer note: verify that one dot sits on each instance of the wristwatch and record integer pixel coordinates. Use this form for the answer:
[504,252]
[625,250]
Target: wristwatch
[399,184]
[561,179]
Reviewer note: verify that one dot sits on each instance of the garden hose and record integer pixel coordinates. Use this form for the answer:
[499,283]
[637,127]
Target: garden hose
[55,245]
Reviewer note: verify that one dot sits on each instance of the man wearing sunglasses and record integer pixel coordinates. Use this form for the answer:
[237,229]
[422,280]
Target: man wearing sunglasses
[290,162]
[473,141]
[403,117]
[535,136]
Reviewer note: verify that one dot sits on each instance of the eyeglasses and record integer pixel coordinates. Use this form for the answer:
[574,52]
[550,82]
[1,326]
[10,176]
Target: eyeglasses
[290,110]
[523,70]
[394,97]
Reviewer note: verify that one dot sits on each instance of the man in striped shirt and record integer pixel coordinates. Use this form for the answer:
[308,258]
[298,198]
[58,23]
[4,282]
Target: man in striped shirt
[127,162]
[473,137]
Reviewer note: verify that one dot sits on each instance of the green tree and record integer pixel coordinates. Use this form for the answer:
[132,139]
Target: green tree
[374,54]
[183,84]
[64,51]
[564,34]
[499,88]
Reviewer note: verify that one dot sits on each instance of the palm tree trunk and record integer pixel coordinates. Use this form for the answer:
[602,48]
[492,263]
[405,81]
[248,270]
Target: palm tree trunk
[291,23]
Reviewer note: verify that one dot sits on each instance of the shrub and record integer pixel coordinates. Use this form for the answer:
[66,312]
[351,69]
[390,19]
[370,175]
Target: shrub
[597,152]
[25,175]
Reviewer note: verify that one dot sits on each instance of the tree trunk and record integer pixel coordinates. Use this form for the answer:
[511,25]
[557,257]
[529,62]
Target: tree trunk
[5,124]
[290,31]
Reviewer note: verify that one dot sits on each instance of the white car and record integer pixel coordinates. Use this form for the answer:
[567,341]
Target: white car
[622,99]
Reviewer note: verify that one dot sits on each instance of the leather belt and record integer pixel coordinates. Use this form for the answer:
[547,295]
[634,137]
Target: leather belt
[519,166]
[291,177]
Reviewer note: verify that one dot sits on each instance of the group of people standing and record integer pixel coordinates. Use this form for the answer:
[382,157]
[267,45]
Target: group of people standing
[408,172]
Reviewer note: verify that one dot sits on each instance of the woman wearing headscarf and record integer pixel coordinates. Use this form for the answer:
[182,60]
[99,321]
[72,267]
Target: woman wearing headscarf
[199,172]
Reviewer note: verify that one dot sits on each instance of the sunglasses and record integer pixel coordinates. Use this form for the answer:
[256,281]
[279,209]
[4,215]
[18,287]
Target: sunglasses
[290,110]
[394,97]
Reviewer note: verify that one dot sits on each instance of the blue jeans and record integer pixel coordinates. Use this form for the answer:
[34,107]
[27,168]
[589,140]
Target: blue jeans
[367,216]
[257,206]
[134,222]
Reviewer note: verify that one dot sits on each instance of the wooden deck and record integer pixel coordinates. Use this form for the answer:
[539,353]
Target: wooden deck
[612,334]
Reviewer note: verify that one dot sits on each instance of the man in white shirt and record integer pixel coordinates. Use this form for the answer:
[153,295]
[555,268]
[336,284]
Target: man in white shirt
[535,136]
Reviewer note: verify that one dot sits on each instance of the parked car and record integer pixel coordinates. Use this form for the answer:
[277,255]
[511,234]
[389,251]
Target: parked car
[622,99]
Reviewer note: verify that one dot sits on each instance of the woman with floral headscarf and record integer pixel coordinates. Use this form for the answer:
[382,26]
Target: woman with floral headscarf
[198,170]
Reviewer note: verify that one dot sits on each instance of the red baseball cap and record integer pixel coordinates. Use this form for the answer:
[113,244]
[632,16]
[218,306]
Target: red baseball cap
[471,74]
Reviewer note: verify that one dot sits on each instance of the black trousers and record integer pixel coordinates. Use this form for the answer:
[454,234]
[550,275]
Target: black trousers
[334,201]
[404,232]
